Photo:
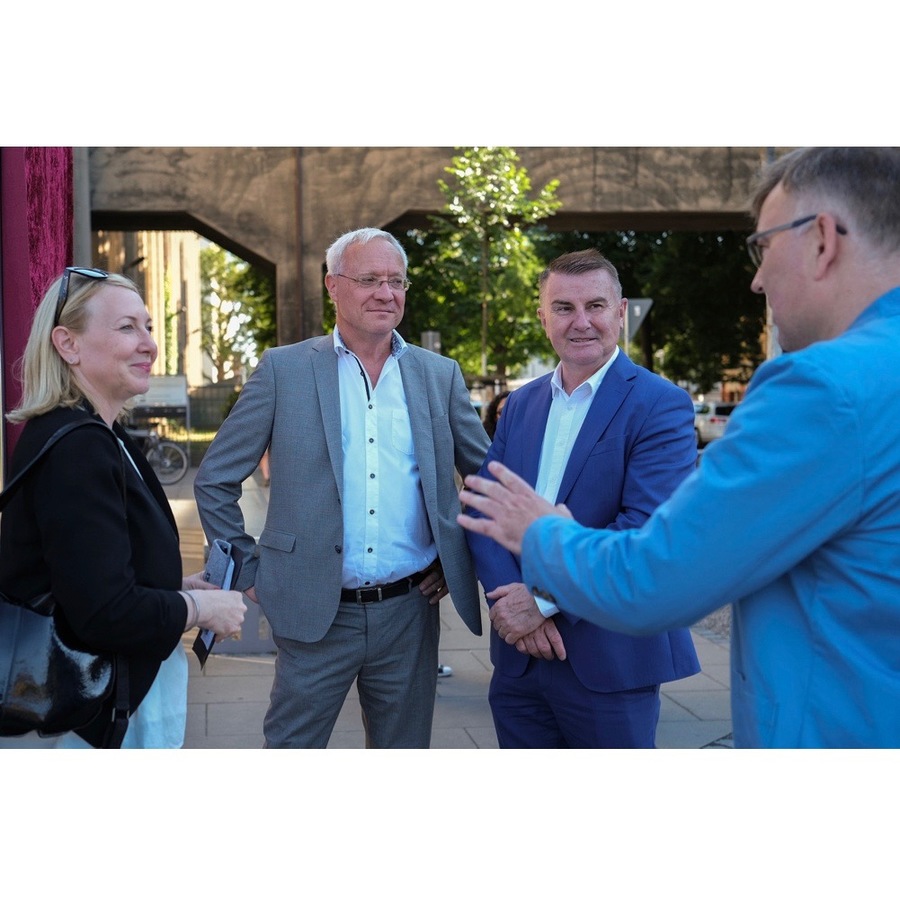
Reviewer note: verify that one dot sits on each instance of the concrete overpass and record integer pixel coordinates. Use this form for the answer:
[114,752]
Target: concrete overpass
[280,207]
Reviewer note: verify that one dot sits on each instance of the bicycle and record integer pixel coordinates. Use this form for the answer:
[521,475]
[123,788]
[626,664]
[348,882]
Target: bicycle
[167,459]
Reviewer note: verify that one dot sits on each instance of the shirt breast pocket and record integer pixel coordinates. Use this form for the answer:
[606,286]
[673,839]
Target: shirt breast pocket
[401,433]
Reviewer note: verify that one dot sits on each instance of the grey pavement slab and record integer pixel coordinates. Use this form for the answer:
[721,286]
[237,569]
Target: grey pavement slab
[227,701]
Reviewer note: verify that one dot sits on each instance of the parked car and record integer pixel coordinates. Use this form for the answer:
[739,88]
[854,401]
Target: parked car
[710,420]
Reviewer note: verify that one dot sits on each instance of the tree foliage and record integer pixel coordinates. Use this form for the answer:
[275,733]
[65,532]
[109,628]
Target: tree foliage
[707,322]
[475,271]
[237,311]
[475,274]
[256,289]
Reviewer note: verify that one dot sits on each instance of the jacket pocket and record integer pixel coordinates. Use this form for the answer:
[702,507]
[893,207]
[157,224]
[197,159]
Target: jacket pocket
[277,540]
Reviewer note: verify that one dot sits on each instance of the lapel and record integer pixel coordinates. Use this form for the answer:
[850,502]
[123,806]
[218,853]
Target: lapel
[614,388]
[418,401]
[148,480]
[328,392]
[534,422]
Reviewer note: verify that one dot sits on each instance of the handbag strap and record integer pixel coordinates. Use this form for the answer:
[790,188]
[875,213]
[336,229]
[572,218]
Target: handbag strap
[115,733]
[57,435]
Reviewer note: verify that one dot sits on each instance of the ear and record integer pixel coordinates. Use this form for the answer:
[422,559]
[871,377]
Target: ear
[623,309]
[66,344]
[828,244]
[330,282]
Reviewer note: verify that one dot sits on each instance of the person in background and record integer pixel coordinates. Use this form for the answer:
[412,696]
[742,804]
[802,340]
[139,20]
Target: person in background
[111,558]
[612,441]
[361,541]
[264,468]
[493,412]
[798,505]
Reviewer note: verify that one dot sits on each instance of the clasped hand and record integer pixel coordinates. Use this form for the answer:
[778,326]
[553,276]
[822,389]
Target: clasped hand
[516,618]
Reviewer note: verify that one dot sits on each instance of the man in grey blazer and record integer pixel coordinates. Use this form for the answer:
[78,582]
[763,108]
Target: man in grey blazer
[361,542]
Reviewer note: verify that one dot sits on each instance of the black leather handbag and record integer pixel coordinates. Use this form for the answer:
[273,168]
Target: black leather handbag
[49,683]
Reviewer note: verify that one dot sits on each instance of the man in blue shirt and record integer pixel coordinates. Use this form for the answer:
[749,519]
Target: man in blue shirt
[803,489]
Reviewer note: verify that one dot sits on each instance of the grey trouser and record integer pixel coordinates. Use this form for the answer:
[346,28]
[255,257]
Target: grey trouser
[390,648]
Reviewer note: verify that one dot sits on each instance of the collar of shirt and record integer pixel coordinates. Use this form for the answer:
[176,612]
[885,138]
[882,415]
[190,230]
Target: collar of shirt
[398,345]
[592,383]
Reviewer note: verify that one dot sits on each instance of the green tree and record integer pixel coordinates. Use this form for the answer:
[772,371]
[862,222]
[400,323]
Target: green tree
[706,320]
[237,312]
[256,289]
[475,272]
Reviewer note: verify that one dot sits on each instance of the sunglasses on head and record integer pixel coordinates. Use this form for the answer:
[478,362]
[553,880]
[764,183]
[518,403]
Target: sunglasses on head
[96,274]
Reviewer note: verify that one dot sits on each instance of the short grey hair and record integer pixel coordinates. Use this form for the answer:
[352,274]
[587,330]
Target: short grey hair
[334,255]
[863,182]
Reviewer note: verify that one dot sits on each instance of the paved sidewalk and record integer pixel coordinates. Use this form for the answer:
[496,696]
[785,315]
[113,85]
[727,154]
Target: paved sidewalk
[228,699]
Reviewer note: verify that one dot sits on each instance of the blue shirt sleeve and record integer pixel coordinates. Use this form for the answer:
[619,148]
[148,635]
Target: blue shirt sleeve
[786,477]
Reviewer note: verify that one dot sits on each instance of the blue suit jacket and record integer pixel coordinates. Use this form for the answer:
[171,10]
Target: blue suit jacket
[799,504]
[636,445]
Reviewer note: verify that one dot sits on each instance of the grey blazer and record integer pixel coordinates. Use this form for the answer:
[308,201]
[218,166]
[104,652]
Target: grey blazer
[292,402]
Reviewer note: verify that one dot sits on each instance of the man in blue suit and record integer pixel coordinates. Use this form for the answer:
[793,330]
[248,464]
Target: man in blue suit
[611,441]
[804,487]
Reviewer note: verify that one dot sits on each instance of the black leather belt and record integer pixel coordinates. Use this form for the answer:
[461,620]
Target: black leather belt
[382,591]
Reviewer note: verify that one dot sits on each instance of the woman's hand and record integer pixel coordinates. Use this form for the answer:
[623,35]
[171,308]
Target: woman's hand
[220,611]
[196,582]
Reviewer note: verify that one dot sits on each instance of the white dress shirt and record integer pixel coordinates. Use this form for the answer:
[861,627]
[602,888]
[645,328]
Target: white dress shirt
[386,530]
[567,415]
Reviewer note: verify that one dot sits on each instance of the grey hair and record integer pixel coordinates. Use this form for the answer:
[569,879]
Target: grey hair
[334,255]
[863,182]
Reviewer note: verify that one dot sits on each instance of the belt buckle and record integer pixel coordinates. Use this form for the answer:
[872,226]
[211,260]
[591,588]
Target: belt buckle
[361,591]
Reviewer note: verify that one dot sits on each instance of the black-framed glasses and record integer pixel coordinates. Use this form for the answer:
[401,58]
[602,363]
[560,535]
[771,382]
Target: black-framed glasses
[97,274]
[756,252]
[373,282]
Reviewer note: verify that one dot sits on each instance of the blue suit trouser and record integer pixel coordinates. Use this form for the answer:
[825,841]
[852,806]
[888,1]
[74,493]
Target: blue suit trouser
[549,708]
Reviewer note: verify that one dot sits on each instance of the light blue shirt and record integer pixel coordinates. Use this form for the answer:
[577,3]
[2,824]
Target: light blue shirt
[564,421]
[794,517]
[386,530]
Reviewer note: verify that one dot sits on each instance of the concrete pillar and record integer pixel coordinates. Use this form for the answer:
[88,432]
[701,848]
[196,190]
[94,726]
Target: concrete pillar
[81,205]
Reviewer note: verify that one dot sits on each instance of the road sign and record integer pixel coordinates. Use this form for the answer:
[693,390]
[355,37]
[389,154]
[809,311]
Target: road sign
[164,390]
[635,313]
